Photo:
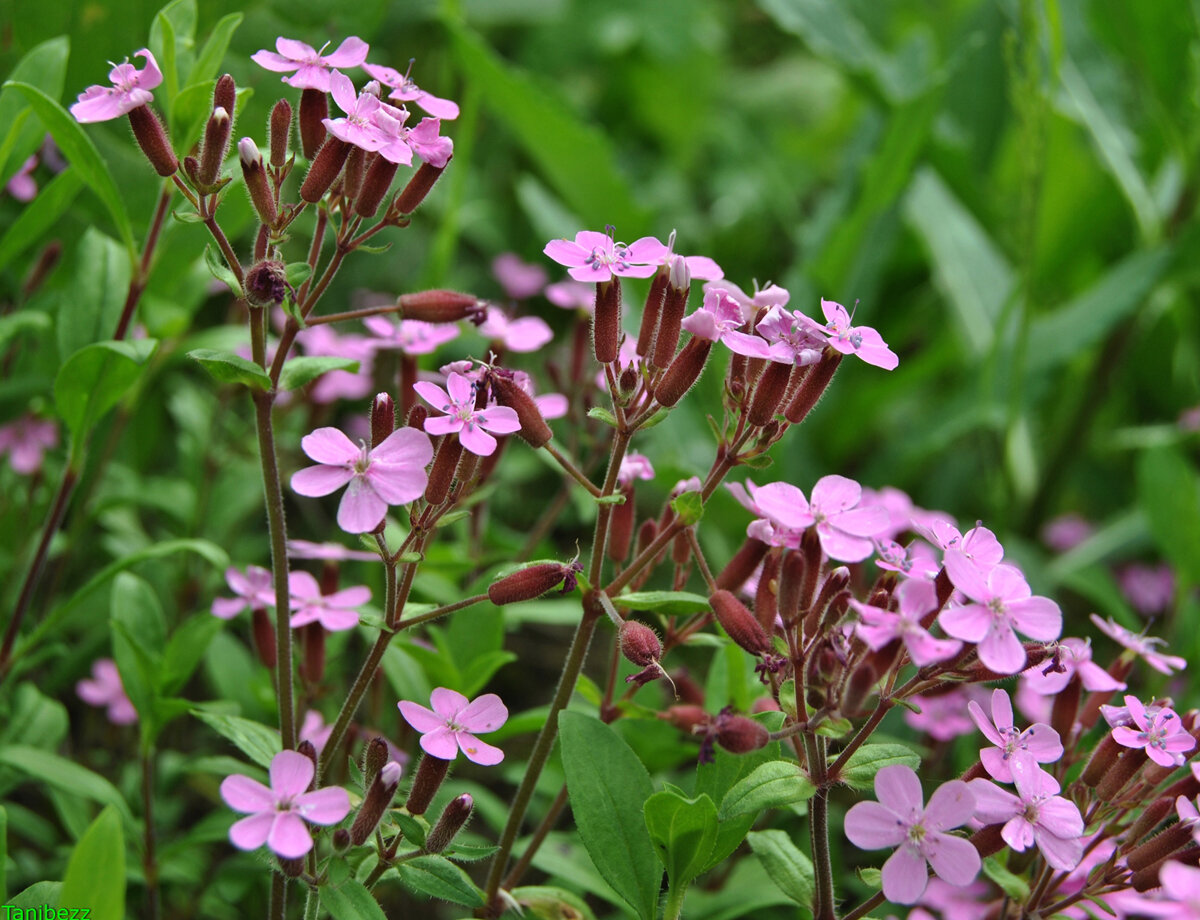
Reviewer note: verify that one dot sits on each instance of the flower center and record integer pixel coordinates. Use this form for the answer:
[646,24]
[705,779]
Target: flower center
[363,463]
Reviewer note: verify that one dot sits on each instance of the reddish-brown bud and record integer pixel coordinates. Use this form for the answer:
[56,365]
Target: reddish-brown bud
[812,387]
[1160,846]
[266,284]
[309,750]
[426,783]
[352,174]
[441,472]
[639,643]
[742,565]
[438,306]
[264,636]
[255,175]
[216,144]
[314,109]
[606,321]
[418,187]
[375,185]
[739,622]
[375,755]
[654,301]
[325,168]
[1101,760]
[859,688]
[383,418]
[772,383]
[313,638]
[152,138]
[533,581]
[1120,772]
[508,392]
[683,372]
[666,336]
[620,532]
[647,531]
[740,734]
[766,597]
[416,418]
[378,798]
[225,94]
[687,717]
[279,132]
[453,819]
[791,587]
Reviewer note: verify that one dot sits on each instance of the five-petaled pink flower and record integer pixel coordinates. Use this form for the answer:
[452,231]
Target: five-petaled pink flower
[130,89]
[1036,814]
[1072,658]
[104,688]
[359,127]
[899,819]
[521,279]
[595,256]
[336,611]
[1002,600]
[393,473]
[1160,733]
[254,588]
[25,441]
[409,336]
[1038,743]
[277,814]
[1143,645]
[311,66]
[405,90]
[452,723]
[524,334]
[472,425]
[851,340]
[879,627]
[844,529]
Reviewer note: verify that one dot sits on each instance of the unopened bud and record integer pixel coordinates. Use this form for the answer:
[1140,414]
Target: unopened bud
[742,565]
[314,109]
[650,315]
[666,337]
[416,418]
[225,94]
[627,383]
[606,321]
[1120,772]
[292,868]
[453,819]
[280,132]
[647,531]
[352,175]
[439,306]
[1160,846]
[418,187]
[341,840]
[766,597]
[264,636]
[533,581]
[313,638]
[309,750]
[772,384]
[426,783]
[741,734]
[377,801]
[791,587]
[739,623]
[375,755]
[508,392]
[441,471]
[383,418]
[266,284]
[325,168]
[216,143]
[859,688]
[375,185]
[812,387]
[687,717]
[1147,878]
[152,138]
[620,531]
[683,372]
[256,181]
[639,643]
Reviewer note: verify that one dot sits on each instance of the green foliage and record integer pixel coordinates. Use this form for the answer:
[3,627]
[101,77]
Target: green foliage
[96,872]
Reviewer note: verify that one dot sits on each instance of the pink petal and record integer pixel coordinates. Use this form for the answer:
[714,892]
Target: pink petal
[1038,617]
[1060,818]
[982,721]
[1043,743]
[342,90]
[448,703]
[477,751]
[420,718]
[529,333]
[485,714]
[970,622]
[954,859]
[398,485]
[500,419]
[436,106]
[440,743]
[434,395]
[289,837]
[648,249]
[863,522]
[1001,650]
[951,805]
[924,649]
[965,575]
[295,50]
[993,804]
[898,789]
[291,772]
[251,833]
[243,794]
[121,712]
[349,597]
[315,481]
[443,424]
[302,586]
[905,876]
[564,252]
[1061,853]
[324,806]
[350,53]
[841,546]
[784,504]
[404,446]
[336,620]
[361,508]
[1006,581]
[871,826]
[836,493]
[329,445]
[462,391]
[702,268]
[269,60]
[1018,834]
[477,441]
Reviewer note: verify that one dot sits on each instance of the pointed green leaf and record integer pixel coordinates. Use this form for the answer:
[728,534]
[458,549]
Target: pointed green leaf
[92,306]
[95,378]
[257,741]
[185,649]
[208,61]
[44,66]
[787,866]
[220,270]
[772,785]
[226,367]
[1169,494]
[603,415]
[351,901]
[439,878]
[299,371]
[1012,885]
[683,832]
[668,602]
[66,775]
[689,506]
[859,771]
[608,787]
[95,876]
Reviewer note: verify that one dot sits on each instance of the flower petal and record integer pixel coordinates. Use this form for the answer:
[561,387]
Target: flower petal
[404,447]
[477,751]
[448,703]
[315,481]
[485,714]
[871,826]
[898,789]
[905,876]
[951,805]
[291,772]
[329,445]
[441,743]
[251,833]
[361,508]
[954,859]
[289,837]
[324,806]
[241,793]
[420,718]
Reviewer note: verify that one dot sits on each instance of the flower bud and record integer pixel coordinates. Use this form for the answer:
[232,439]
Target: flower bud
[650,315]
[309,750]
[1147,878]
[740,734]
[620,533]
[256,181]
[441,472]
[152,138]
[314,109]
[439,306]
[225,94]
[687,717]
[791,587]
[812,387]
[1159,847]
[418,187]
[426,783]
[743,564]
[647,531]
[508,392]
[216,143]
[374,186]
[340,840]
[766,596]
[683,372]
[681,548]
[768,393]
[264,636]
[266,284]
[325,168]
[606,321]
[377,801]
[533,581]
[352,175]
[375,756]
[739,623]
[1102,758]
[1121,770]
[383,418]
[453,819]
[639,643]
[279,132]
[666,337]
[313,637]
[416,418]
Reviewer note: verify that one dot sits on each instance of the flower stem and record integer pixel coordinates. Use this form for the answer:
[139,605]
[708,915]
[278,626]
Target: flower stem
[149,858]
[866,907]
[818,826]
[572,470]
[441,611]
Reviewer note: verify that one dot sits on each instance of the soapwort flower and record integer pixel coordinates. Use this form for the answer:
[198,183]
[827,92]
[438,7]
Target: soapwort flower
[453,722]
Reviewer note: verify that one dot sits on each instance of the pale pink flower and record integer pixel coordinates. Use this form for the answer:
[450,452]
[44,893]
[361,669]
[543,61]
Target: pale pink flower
[1149,588]
[521,279]
[454,721]
[717,316]
[405,90]
[1160,733]
[22,186]
[410,336]
[26,441]
[524,334]
[130,89]
[1145,646]
[844,529]
[970,555]
[392,473]
[277,814]
[254,588]
[315,731]
[595,256]
[634,466]
[462,418]
[1039,743]
[104,688]
[572,295]
[899,819]
[915,561]
[862,341]
[1001,602]
[699,268]
[1035,815]
[770,296]
[1067,531]
[779,336]
[1072,657]
[879,627]
[322,341]
[306,549]
[312,68]
[944,716]
[358,127]
[335,612]
[1179,895]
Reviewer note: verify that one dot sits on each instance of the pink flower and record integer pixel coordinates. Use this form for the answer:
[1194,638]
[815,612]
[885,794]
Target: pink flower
[862,341]
[1160,733]
[310,66]
[358,127]
[391,474]
[277,814]
[1037,814]
[844,529]
[779,336]
[452,723]
[105,689]
[315,730]
[1149,588]
[1179,896]
[944,717]
[880,627]
[521,279]
[22,186]
[1038,743]
[968,555]
[719,315]
[634,466]
[595,256]
[899,820]
[254,589]
[306,549]
[572,295]
[472,425]
[770,296]
[1002,601]
[410,336]
[526,334]
[1072,657]
[130,89]
[331,386]
[333,611]
[1143,645]
[25,441]
[405,90]
[1066,531]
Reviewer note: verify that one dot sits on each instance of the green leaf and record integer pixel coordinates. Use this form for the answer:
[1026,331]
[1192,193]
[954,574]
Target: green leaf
[689,506]
[37,895]
[44,66]
[3,854]
[351,901]
[859,771]
[185,649]
[96,871]
[1012,885]
[871,876]
[23,321]
[298,272]
[604,415]
[299,371]
[668,602]
[544,902]
[1169,495]
[608,787]
[787,866]
[226,367]
[95,378]
[257,741]
[60,773]
[683,832]
[40,215]
[93,304]
[221,271]
[771,785]
[208,61]
[414,831]
[81,153]
[437,877]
